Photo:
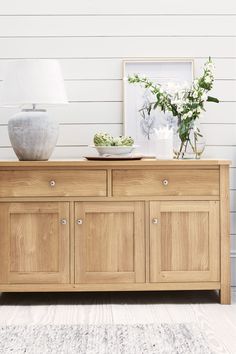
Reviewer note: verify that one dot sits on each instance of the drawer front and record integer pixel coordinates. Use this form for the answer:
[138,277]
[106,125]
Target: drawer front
[51,183]
[165,182]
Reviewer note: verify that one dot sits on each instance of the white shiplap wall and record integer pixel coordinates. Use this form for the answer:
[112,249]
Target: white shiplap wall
[90,38]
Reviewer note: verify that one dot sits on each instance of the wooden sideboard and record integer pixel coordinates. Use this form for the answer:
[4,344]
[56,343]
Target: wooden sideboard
[115,226]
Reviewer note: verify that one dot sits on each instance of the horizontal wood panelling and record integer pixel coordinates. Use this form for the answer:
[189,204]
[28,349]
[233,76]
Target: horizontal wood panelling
[233,178]
[78,113]
[76,135]
[117,47]
[93,90]
[233,223]
[85,69]
[233,200]
[233,271]
[224,134]
[222,113]
[118,26]
[224,68]
[222,152]
[118,7]
[111,112]
[111,68]
[112,90]
[224,90]
[233,244]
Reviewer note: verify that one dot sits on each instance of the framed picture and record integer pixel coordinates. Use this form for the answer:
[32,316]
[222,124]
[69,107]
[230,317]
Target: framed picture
[138,123]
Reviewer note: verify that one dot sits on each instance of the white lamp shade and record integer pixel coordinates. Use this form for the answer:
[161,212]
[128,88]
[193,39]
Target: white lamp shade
[33,81]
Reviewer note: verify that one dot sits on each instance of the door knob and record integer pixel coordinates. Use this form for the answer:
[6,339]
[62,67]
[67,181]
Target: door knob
[165,182]
[52,183]
[79,221]
[155,221]
[63,221]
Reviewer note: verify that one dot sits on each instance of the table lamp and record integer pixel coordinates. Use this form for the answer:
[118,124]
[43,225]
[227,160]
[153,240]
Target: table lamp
[27,84]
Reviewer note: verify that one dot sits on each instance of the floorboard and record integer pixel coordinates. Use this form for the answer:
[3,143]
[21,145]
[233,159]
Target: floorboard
[202,307]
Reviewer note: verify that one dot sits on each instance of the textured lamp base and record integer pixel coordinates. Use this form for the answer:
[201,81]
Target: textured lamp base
[33,135]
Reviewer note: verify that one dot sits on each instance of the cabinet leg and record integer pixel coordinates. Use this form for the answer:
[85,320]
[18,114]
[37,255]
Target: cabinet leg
[225,295]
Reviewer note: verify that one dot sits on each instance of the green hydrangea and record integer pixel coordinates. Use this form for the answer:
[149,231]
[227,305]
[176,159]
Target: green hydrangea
[102,139]
[127,140]
[105,139]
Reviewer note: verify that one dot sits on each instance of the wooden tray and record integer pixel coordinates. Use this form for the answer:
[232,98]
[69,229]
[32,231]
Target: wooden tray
[113,158]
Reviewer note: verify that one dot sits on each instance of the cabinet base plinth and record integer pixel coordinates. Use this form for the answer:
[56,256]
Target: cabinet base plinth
[108,287]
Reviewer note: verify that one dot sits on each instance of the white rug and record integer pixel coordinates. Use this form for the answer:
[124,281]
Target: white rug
[105,339]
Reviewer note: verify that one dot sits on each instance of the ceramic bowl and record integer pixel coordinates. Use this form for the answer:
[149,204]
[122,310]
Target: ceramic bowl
[114,150]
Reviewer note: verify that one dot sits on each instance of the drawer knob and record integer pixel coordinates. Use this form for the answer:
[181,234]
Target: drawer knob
[165,182]
[63,221]
[52,183]
[79,221]
[155,221]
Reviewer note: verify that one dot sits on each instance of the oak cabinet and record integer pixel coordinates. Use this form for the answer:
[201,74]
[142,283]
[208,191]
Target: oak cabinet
[109,242]
[35,242]
[115,225]
[184,241]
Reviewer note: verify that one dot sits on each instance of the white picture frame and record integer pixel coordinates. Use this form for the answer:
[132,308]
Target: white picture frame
[160,70]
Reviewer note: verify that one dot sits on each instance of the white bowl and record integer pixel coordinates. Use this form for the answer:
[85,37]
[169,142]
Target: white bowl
[114,150]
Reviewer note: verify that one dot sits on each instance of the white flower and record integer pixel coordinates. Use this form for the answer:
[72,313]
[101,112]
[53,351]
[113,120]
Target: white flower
[195,94]
[185,116]
[209,66]
[180,109]
[172,88]
[189,114]
[171,85]
[175,101]
[186,85]
[207,79]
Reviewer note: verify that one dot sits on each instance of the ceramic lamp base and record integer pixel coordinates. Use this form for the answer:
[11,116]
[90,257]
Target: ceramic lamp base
[33,135]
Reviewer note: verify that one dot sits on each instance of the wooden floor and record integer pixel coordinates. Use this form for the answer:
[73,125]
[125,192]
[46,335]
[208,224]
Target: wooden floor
[97,308]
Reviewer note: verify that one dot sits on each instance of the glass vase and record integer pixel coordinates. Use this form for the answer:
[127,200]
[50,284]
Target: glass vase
[192,148]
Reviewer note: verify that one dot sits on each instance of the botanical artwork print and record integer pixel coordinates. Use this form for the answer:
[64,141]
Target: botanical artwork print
[140,119]
[149,119]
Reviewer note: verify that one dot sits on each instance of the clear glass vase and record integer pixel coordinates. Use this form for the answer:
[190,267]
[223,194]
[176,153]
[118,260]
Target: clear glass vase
[192,148]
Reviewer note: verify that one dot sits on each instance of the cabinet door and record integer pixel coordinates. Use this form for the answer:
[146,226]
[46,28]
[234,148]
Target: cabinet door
[184,241]
[109,242]
[35,242]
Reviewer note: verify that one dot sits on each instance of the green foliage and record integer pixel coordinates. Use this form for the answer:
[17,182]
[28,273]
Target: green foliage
[212,99]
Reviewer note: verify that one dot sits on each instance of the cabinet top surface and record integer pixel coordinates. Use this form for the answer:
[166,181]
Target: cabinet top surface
[107,164]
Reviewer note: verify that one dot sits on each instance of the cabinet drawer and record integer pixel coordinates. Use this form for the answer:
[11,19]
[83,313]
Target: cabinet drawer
[53,183]
[165,182]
